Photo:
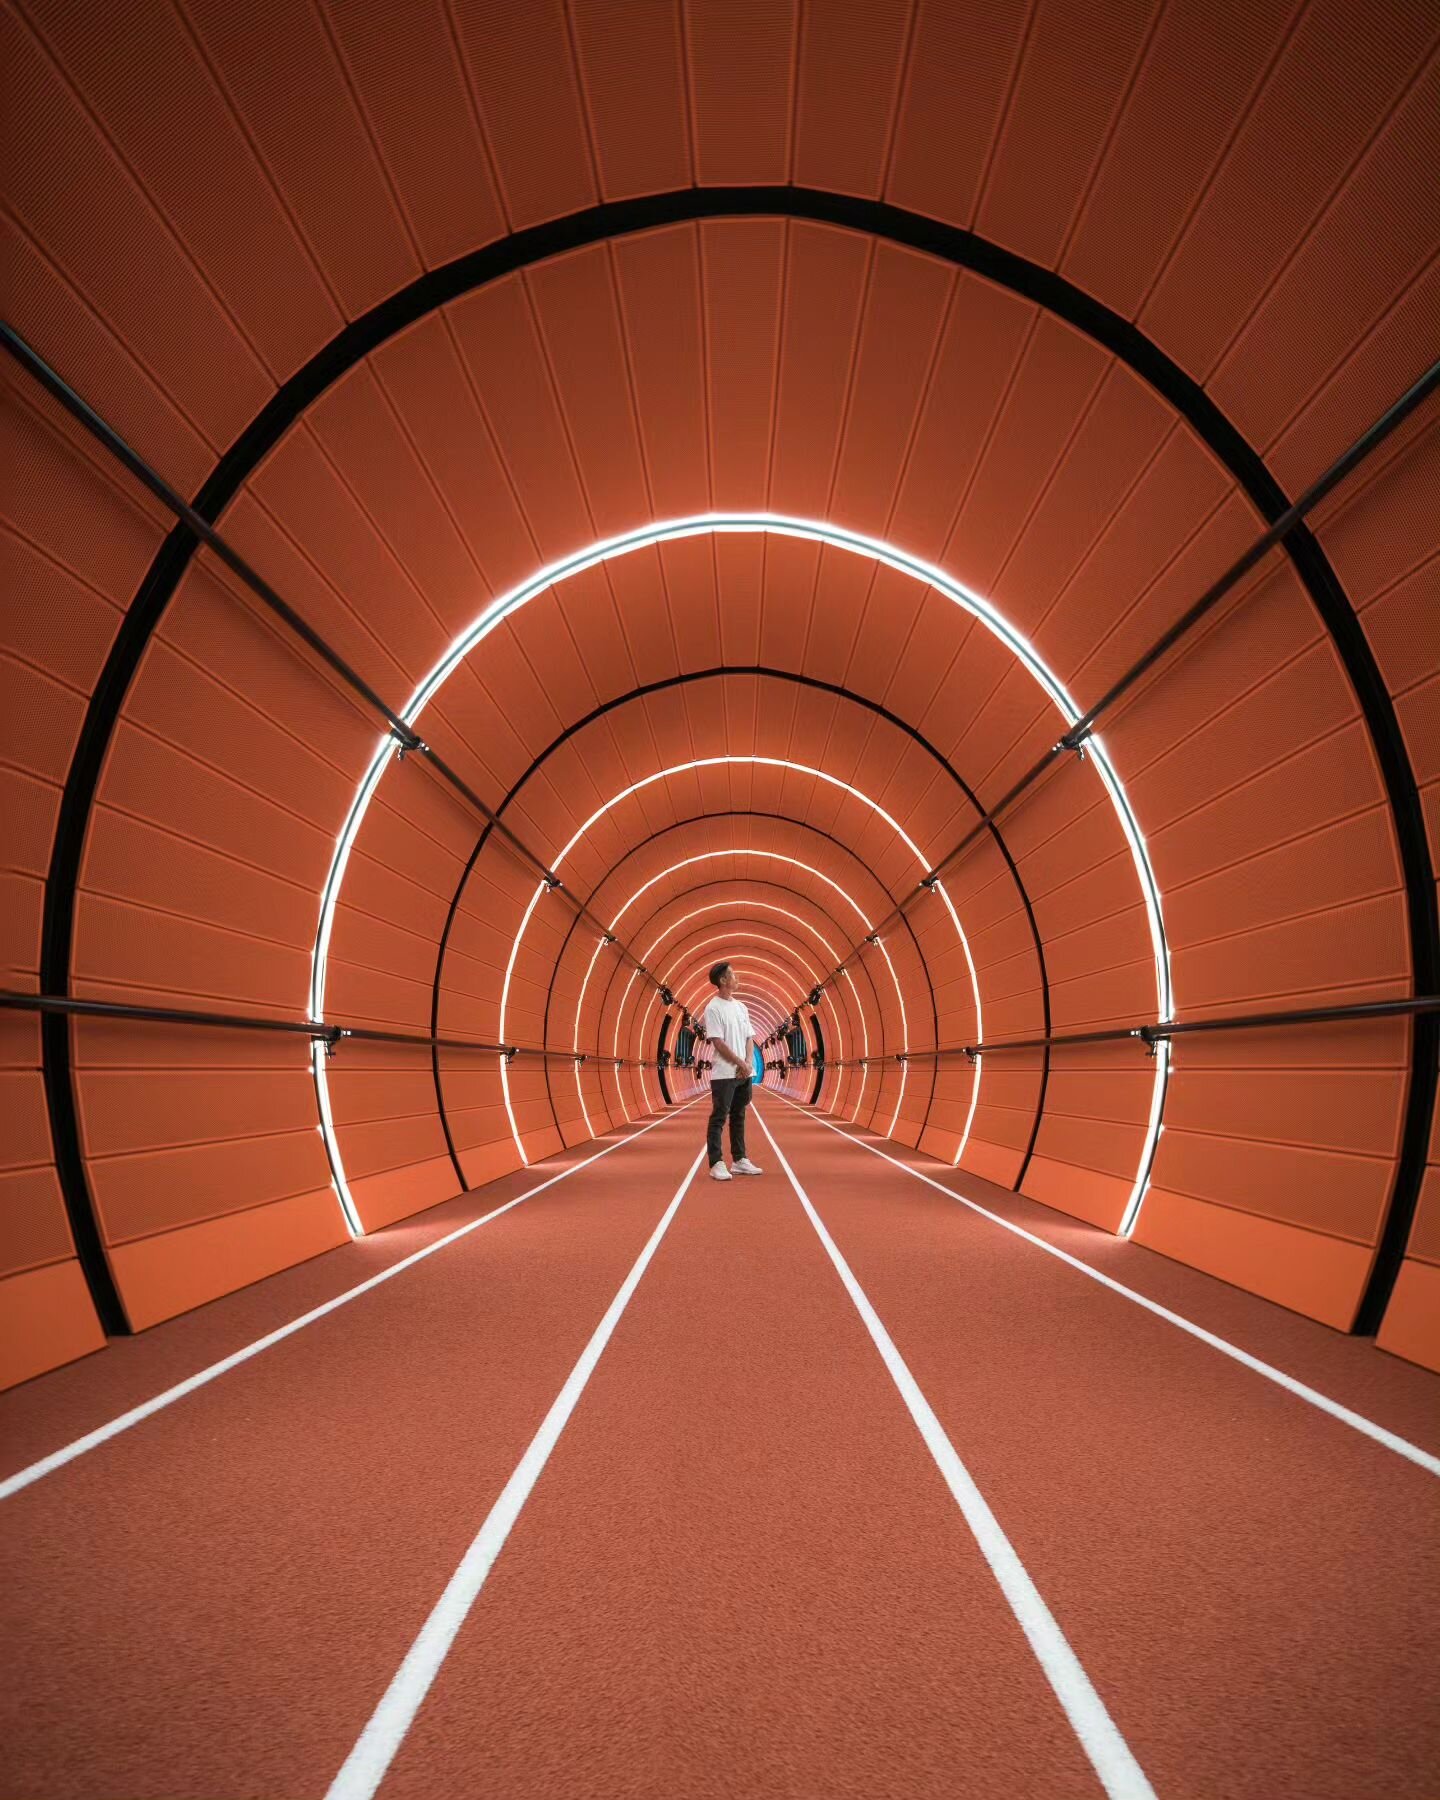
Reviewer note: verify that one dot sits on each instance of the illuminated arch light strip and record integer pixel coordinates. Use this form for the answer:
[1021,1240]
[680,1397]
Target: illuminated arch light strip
[768,855]
[764,1012]
[904,1026]
[767,1007]
[753,906]
[615,1043]
[764,762]
[795,862]
[773,762]
[764,961]
[770,1014]
[767,999]
[767,1021]
[349,1211]
[778,525]
[730,906]
[710,762]
[771,1023]
[584,1110]
[777,856]
[750,906]
[600,944]
[864,1077]
[773,856]
[535,899]
[904,1034]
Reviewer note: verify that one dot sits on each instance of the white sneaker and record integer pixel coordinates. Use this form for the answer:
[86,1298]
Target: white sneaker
[745,1167]
[719,1172]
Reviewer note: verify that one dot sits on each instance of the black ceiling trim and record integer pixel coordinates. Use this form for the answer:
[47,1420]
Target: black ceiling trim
[769,672]
[595,225]
[693,887]
[801,825]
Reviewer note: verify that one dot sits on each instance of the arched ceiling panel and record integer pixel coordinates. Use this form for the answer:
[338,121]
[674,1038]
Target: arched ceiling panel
[1159,172]
[736,362]
[742,717]
[769,905]
[753,852]
[1340,85]
[742,850]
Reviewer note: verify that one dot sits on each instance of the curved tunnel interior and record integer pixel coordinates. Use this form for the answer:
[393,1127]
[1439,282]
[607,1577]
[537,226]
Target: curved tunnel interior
[937,511]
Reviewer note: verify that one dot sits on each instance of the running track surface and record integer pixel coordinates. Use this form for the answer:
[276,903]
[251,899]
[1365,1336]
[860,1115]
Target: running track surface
[741,1571]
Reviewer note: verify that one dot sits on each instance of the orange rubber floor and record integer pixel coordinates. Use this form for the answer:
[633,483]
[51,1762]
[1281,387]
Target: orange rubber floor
[814,1484]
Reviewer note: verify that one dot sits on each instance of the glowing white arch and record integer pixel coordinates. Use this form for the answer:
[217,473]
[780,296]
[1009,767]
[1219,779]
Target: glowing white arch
[771,856]
[782,1013]
[730,906]
[777,1023]
[753,906]
[708,762]
[767,855]
[770,1021]
[774,856]
[685,863]
[725,905]
[744,940]
[778,525]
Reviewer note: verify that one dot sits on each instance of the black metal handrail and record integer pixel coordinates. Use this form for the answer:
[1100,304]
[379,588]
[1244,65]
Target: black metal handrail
[405,738]
[1074,739]
[319,1031]
[1150,1035]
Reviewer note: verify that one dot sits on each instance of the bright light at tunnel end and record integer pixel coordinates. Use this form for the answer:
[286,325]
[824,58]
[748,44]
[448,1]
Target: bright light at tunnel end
[780,525]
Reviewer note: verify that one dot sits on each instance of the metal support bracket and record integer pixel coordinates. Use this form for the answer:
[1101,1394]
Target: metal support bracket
[1071,742]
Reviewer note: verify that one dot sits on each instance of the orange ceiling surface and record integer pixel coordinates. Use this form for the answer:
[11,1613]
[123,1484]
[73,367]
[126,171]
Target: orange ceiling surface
[414,300]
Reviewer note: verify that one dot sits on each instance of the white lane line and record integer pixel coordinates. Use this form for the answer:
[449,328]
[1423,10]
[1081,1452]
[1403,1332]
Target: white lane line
[1110,1756]
[364,1769]
[102,1434]
[1357,1421]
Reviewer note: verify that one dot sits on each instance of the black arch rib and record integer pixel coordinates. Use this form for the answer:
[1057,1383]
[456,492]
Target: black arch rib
[846,850]
[828,687]
[620,218]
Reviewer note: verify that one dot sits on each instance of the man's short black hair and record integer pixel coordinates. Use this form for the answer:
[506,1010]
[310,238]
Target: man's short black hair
[718,973]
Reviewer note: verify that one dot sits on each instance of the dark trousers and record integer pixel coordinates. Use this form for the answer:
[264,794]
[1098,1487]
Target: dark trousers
[728,1100]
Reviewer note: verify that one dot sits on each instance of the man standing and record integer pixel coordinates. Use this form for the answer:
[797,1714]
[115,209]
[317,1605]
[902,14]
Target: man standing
[732,1039]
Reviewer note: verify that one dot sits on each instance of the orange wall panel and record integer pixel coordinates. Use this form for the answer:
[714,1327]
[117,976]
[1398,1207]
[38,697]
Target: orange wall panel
[36,1230]
[1320,1276]
[46,1319]
[1411,1327]
[397,1193]
[138,1195]
[181,1128]
[170,1273]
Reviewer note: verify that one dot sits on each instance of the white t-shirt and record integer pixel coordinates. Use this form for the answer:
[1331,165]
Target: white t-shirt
[728,1021]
